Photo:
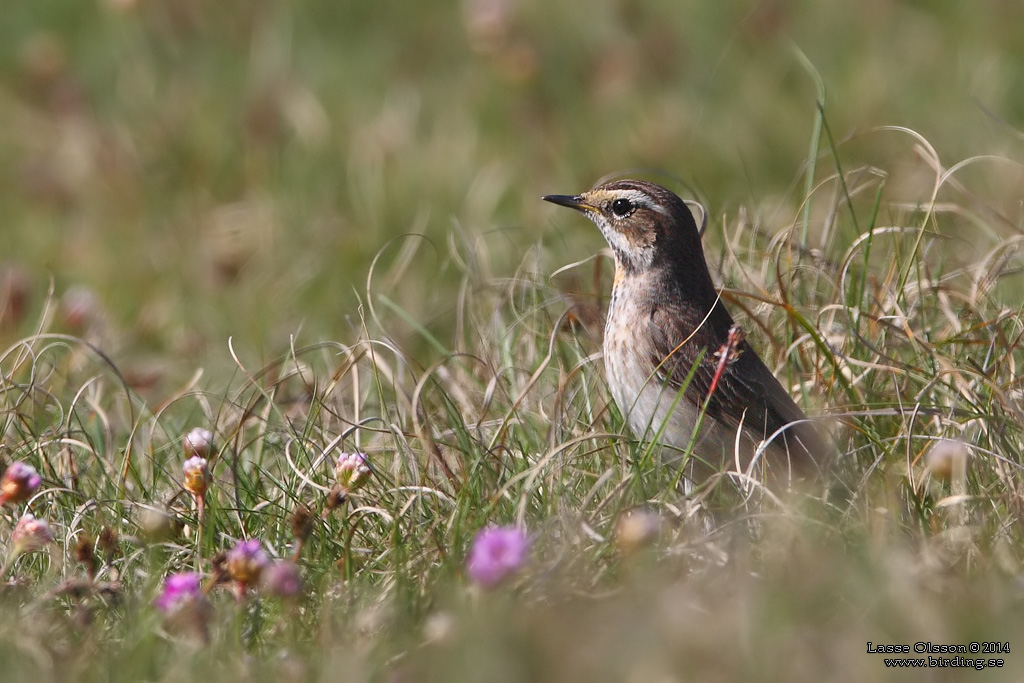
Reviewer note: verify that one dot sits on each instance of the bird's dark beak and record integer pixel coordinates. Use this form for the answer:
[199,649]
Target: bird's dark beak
[573,202]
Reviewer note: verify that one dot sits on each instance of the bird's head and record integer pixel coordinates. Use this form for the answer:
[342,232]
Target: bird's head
[645,224]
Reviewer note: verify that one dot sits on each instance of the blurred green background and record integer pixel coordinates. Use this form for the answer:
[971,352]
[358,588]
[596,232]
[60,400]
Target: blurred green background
[193,170]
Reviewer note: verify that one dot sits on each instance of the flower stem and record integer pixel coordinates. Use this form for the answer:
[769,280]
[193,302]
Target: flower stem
[200,528]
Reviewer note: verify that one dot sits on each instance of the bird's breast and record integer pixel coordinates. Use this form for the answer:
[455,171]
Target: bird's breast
[644,398]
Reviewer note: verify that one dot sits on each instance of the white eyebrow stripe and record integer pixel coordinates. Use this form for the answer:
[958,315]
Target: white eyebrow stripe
[641,199]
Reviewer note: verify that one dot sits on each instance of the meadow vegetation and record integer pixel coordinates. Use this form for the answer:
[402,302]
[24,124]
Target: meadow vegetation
[315,230]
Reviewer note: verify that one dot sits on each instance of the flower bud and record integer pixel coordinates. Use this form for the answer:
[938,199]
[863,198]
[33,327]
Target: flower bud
[199,443]
[197,476]
[158,525]
[79,308]
[109,542]
[30,534]
[301,521]
[637,529]
[85,554]
[15,287]
[336,497]
[19,482]
[946,458]
[246,562]
[352,471]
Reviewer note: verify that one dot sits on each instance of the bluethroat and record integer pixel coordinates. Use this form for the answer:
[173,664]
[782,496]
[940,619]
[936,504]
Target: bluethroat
[672,353]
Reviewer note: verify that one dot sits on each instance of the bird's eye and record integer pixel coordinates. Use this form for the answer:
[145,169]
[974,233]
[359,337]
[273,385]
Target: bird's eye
[622,207]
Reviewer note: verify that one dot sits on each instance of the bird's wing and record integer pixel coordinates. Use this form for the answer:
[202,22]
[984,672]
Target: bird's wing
[746,384]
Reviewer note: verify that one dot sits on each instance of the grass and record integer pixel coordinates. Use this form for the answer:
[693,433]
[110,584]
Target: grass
[290,235]
[904,340]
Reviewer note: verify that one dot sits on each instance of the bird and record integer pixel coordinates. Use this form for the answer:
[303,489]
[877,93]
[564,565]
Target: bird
[673,355]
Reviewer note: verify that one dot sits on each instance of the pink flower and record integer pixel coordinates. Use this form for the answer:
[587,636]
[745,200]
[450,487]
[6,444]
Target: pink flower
[30,534]
[19,482]
[282,578]
[181,590]
[246,562]
[197,476]
[185,606]
[496,554]
[199,443]
[352,471]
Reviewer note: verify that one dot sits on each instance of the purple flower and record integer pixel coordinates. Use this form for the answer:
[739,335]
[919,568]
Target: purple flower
[497,553]
[30,534]
[180,590]
[282,578]
[352,471]
[197,476]
[185,606]
[246,562]
[199,443]
[19,482]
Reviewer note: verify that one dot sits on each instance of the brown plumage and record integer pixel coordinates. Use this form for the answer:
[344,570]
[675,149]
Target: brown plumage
[664,315]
